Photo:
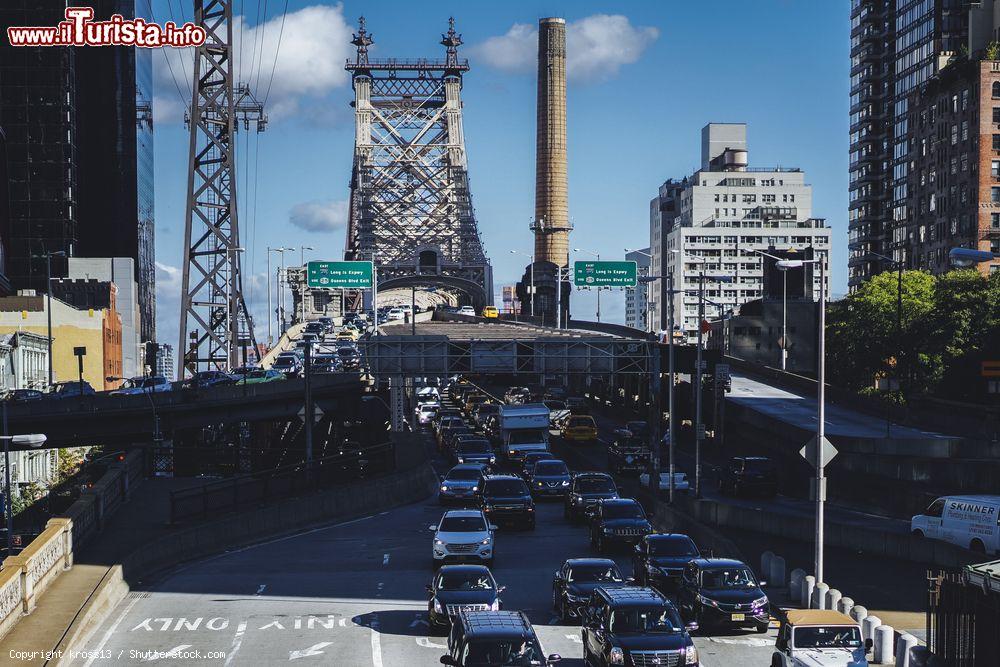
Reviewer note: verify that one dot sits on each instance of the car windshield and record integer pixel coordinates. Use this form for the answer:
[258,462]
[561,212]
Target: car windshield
[636,428]
[346,352]
[646,619]
[599,485]
[502,653]
[757,465]
[477,580]
[284,362]
[581,421]
[474,447]
[464,473]
[827,637]
[506,487]
[736,577]
[551,468]
[462,524]
[526,437]
[624,511]
[674,546]
[592,574]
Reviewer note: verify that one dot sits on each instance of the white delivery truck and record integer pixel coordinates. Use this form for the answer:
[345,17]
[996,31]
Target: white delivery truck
[523,428]
[972,522]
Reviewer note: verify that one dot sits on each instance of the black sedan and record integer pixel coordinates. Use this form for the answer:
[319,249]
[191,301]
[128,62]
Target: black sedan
[576,579]
[458,588]
[660,559]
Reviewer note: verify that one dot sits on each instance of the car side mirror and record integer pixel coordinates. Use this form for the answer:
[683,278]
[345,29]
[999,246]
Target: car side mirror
[692,626]
[432,527]
[448,660]
[555,657]
[869,643]
[762,583]
[630,581]
[501,589]
[493,527]
[429,588]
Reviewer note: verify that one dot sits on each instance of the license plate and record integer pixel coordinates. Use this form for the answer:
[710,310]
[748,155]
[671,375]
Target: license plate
[739,617]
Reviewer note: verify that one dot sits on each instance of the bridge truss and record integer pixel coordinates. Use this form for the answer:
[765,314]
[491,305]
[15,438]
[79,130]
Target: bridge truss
[410,207]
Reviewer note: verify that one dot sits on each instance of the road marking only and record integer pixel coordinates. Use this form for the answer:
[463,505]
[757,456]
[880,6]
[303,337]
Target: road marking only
[315,649]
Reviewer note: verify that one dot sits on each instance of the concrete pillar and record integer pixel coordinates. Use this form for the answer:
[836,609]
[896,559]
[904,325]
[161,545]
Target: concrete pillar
[819,596]
[904,645]
[808,584]
[833,597]
[776,574]
[868,627]
[883,644]
[765,564]
[845,605]
[858,613]
[795,581]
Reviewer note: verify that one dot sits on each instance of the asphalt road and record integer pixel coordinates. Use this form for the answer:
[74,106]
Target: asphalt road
[352,594]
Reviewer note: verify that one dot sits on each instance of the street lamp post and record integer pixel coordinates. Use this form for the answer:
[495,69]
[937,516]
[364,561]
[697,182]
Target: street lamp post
[597,256]
[305,280]
[48,297]
[281,251]
[784,304]
[29,440]
[532,258]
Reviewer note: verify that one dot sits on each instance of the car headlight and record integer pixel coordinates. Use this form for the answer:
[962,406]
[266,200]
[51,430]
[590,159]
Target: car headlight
[539,484]
[616,656]
[461,460]
[488,508]
[575,500]
[759,602]
[485,541]
[475,488]
[608,531]
[493,459]
[437,606]
[438,543]
[565,483]
[444,488]
[709,601]
[495,606]
[691,655]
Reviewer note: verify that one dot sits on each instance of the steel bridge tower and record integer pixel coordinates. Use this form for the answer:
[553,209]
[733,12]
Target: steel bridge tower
[410,208]
[212,302]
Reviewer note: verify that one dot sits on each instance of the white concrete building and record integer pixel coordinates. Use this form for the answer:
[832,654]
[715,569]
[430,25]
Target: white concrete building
[24,363]
[724,212]
[636,302]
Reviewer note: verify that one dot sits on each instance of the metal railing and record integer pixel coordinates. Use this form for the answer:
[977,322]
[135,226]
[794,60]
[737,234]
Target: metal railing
[283,482]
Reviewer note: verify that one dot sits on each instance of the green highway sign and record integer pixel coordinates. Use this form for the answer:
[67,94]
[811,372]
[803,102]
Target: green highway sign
[604,274]
[340,275]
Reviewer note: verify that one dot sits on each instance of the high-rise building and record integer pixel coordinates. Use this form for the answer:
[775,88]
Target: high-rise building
[906,203]
[636,302]
[79,132]
[164,360]
[5,288]
[719,219]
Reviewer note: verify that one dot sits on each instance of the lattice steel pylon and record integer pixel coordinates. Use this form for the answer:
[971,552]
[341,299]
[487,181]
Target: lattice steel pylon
[410,208]
[212,302]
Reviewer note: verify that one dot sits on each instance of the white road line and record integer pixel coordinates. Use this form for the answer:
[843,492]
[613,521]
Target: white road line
[427,643]
[237,642]
[107,635]
[376,643]
[385,559]
[260,589]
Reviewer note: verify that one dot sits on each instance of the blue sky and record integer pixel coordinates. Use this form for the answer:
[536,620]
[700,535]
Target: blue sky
[645,77]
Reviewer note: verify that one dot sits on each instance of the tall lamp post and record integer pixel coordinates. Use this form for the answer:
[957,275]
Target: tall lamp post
[784,304]
[967,257]
[532,258]
[48,297]
[27,440]
[280,251]
[596,256]
[305,280]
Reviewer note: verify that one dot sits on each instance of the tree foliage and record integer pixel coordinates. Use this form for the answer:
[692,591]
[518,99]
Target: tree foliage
[948,326]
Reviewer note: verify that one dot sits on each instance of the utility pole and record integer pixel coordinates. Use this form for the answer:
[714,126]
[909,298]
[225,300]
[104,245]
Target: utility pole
[671,428]
[696,385]
[212,300]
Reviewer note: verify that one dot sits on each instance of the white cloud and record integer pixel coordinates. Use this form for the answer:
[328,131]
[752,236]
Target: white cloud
[596,47]
[319,216]
[315,42]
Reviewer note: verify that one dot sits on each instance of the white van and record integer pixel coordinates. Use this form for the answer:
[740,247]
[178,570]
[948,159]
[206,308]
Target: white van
[972,522]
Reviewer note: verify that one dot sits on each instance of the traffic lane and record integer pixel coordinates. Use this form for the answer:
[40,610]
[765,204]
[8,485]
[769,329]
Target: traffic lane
[801,411]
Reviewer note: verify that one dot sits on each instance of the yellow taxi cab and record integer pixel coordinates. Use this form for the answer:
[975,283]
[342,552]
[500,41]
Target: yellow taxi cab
[491,312]
[347,334]
[579,427]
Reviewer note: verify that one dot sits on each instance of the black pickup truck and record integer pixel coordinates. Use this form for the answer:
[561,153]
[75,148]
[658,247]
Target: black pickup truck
[629,451]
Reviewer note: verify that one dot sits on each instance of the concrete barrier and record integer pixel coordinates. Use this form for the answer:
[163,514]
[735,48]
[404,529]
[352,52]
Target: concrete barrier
[776,573]
[94,612]
[795,581]
[26,576]
[884,638]
[808,585]
[868,626]
[819,596]
[904,645]
[833,597]
[845,605]
[859,613]
[765,564]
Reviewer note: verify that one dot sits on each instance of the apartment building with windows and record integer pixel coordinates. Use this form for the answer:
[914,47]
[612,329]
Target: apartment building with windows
[717,221]
[636,300]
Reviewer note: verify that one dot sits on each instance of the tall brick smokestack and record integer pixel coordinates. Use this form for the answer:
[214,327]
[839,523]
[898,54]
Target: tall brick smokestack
[551,225]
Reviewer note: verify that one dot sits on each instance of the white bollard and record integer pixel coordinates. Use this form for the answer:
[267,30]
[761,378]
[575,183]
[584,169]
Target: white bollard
[833,597]
[868,627]
[858,613]
[845,605]
[808,584]
[883,644]
[819,595]
[795,580]
[765,563]
[776,576]
[903,645]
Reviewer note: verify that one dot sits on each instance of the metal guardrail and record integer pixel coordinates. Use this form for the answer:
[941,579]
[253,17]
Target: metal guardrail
[283,482]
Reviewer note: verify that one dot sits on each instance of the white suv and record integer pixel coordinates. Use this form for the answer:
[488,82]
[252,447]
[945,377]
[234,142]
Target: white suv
[467,310]
[463,535]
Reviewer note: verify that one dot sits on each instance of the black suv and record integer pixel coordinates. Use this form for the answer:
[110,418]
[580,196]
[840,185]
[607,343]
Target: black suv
[573,583]
[585,490]
[506,499]
[635,626]
[618,521]
[722,591]
[548,478]
[459,588]
[660,559]
[749,475]
[494,638]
